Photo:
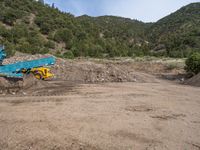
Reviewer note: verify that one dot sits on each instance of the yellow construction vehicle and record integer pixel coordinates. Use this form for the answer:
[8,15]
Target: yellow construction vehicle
[41,73]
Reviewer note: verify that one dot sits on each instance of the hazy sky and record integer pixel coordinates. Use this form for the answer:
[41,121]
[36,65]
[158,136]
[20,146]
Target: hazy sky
[144,10]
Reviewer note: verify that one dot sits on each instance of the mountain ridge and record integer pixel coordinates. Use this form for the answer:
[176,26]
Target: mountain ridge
[31,27]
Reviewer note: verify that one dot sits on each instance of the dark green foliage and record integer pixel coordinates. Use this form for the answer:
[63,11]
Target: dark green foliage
[95,51]
[193,63]
[41,1]
[53,5]
[68,55]
[50,44]
[10,49]
[64,35]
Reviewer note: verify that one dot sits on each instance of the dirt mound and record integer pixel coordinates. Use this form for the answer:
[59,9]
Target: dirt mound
[93,72]
[30,82]
[97,71]
[21,86]
[4,83]
[8,86]
[77,71]
[194,81]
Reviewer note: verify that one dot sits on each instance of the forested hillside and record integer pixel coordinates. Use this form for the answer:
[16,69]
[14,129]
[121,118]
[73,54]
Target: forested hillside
[32,27]
[178,33]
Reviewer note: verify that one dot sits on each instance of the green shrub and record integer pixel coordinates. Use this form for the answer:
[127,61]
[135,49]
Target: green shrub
[64,35]
[68,55]
[10,49]
[44,50]
[193,63]
[95,51]
[50,44]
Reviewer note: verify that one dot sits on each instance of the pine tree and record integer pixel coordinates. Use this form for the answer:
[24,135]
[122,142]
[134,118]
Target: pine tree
[53,5]
[41,1]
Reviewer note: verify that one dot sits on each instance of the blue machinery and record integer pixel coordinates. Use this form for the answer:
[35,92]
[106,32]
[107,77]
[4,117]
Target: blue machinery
[15,70]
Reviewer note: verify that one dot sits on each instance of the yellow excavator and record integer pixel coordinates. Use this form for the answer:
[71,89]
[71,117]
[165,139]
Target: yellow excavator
[41,73]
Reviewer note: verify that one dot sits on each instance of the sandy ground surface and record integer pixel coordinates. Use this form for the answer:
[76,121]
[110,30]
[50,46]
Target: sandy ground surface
[109,116]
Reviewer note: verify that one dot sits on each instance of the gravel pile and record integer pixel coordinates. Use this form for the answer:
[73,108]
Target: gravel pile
[91,72]
[24,57]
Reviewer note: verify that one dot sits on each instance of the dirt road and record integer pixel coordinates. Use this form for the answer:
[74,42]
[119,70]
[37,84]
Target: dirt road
[107,116]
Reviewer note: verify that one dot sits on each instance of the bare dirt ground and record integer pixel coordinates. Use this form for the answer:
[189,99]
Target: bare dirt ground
[109,116]
[95,105]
